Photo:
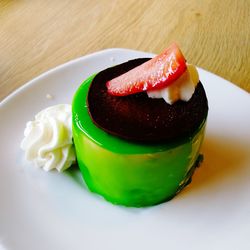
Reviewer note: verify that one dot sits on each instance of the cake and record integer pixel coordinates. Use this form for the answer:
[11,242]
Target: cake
[132,149]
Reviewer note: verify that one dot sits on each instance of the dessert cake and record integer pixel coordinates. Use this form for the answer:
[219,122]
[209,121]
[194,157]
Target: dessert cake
[133,148]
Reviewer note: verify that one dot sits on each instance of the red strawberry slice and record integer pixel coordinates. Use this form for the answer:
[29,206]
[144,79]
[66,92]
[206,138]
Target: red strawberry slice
[157,73]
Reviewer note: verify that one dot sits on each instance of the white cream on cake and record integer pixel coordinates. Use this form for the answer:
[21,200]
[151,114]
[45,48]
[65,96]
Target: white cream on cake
[182,89]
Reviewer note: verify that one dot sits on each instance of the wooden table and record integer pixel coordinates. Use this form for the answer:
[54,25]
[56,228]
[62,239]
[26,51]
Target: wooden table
[41,34]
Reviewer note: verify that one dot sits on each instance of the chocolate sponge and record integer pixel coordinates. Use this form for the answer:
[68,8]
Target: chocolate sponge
[142,119]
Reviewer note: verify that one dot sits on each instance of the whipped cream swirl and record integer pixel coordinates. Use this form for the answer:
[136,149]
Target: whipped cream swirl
[48,139]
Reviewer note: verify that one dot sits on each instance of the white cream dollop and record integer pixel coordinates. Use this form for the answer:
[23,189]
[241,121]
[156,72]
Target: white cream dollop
[182,89]
[48,139]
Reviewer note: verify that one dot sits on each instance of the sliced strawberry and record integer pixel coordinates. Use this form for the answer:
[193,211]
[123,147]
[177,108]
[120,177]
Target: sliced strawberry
[157,73]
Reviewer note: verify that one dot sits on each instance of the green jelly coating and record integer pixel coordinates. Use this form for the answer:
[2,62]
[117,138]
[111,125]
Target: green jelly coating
[127,173]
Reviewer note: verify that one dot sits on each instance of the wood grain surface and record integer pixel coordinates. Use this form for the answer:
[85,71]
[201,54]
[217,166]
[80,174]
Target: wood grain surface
[38,35]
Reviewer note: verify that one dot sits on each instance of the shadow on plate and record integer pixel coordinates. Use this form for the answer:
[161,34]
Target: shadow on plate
[223,159]
[74,173]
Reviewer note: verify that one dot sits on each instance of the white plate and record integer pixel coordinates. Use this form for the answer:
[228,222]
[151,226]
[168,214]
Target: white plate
[40,210]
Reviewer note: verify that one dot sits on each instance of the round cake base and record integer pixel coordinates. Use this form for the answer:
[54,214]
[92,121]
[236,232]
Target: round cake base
[137,180]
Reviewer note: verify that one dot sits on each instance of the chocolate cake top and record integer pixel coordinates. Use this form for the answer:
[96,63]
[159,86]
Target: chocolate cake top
[140,118]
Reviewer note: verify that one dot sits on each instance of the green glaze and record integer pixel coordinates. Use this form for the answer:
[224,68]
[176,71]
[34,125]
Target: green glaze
[127,173]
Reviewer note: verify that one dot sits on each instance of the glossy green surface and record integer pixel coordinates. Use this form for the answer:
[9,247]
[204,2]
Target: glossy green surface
[128,173]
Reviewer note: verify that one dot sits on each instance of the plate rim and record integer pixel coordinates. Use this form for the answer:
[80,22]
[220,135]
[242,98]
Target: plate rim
[86,57]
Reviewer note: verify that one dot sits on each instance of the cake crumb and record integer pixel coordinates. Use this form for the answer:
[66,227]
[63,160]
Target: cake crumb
[49,96]
[112,59]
